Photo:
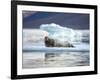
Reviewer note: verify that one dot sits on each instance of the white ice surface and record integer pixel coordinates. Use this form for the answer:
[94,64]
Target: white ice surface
[77,48]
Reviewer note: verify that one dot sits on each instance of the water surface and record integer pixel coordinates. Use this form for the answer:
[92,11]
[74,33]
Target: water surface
[55,59]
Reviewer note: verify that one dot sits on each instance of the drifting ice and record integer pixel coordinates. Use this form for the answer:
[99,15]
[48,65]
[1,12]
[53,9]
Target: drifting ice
[62,33]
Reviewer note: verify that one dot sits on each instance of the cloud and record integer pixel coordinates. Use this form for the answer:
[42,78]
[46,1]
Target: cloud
[28,13]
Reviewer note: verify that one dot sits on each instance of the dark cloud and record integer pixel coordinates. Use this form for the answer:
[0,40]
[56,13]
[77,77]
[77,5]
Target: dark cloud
[32,19]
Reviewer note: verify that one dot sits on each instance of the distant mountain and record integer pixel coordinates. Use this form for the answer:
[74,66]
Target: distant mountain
[72,20]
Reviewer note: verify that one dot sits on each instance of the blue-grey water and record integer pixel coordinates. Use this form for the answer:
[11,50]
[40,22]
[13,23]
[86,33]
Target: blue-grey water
[55,59]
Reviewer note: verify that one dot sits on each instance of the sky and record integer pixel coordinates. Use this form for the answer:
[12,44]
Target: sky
[33,19]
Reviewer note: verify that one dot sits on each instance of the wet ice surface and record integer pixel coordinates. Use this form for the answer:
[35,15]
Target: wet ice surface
[55,59]
[81,47]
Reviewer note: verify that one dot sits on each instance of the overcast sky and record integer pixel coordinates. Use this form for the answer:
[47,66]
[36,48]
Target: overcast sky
[33,19]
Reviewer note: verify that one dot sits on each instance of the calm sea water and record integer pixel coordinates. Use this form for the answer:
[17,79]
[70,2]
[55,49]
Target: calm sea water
[55,59]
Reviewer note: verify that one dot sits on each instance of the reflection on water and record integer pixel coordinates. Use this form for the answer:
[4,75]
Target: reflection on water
[55,59]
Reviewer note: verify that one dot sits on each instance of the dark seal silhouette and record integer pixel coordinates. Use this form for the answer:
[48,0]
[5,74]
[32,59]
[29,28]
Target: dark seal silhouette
[55,43]
[49,42]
